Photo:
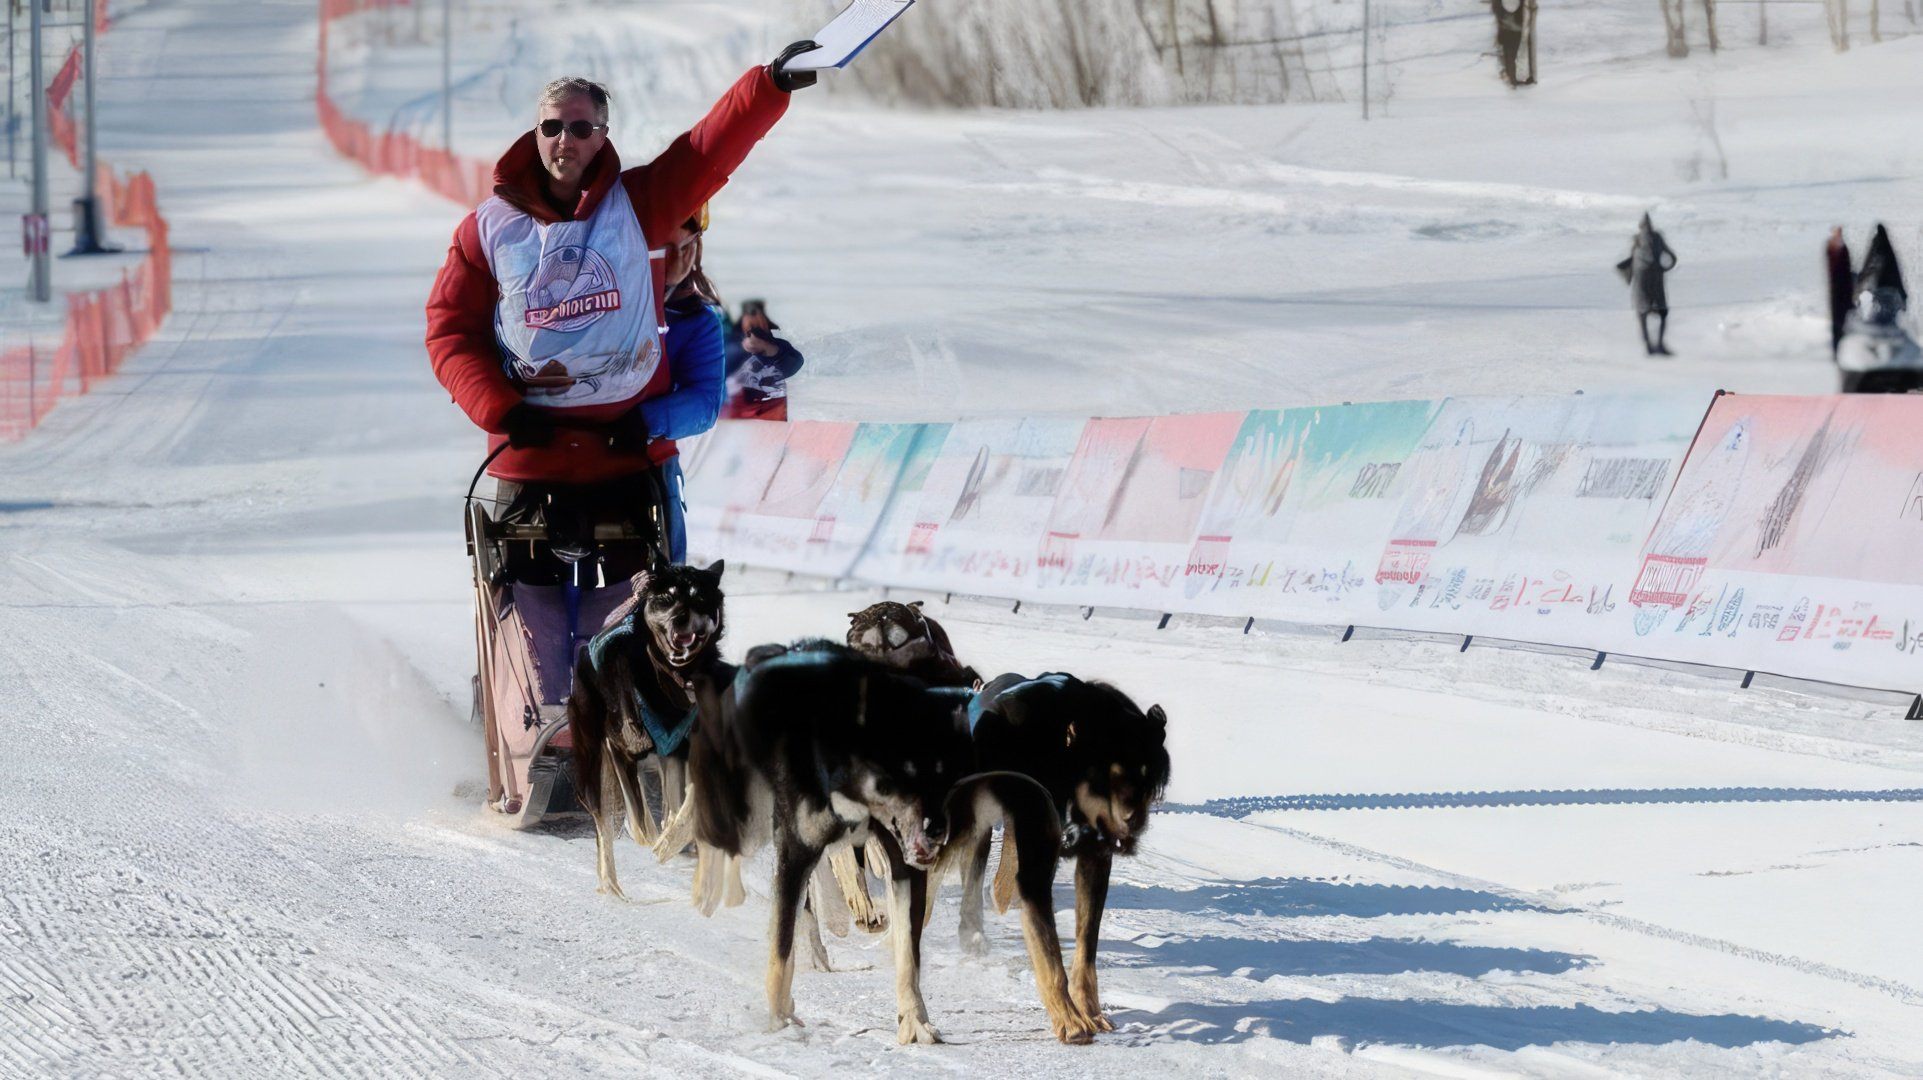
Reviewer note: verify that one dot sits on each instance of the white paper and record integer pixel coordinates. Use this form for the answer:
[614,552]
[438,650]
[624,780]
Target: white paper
[849,33]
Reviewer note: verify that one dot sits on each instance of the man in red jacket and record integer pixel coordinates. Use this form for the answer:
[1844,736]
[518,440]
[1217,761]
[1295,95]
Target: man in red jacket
[546,323]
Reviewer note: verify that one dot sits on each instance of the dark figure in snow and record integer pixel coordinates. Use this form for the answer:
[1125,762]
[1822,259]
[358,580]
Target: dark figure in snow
[1876,354]
[1842,284]
[548,322]
[1880,272]
[759,365]
[1516,40]
[1649,259]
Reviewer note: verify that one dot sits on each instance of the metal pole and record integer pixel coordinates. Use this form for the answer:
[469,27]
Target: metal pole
[41,288]
[13,118]
[1365,59]
[87,235]
[447,75]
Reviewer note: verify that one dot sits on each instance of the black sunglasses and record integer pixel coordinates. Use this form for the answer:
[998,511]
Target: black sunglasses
[580,129]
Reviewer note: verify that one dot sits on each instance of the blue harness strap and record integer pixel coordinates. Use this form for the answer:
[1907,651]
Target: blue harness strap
[668,732]
[974,711]
[1002,689]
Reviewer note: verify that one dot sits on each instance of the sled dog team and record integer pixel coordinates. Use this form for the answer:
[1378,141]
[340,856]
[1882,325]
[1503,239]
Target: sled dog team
[885,754]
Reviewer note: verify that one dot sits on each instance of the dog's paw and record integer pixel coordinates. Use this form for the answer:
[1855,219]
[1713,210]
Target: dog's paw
[911,1030]
[1075,1029]
[974,943]
[782,1019]
[610,889]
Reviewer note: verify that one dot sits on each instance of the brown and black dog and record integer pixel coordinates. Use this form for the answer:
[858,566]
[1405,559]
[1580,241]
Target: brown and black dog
[632,699]
[805,748]
[1103,760]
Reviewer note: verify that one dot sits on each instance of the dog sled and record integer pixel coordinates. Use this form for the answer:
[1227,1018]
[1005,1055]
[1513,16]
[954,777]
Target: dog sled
[544,581]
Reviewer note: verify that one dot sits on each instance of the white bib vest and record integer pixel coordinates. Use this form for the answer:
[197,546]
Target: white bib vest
[576,319]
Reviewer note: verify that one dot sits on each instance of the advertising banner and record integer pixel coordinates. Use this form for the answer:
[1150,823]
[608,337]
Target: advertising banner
[1519,518]
[1791,543]
[978,521]
[1775,534]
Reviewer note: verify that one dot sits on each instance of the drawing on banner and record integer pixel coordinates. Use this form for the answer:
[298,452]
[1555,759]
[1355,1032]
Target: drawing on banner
[1126,516]
[986,500]
[852,509]
[1298,494]
[1679,549]
[899,533]
[809,462]
[1438,493]
[1527,507]
[1790,525]
[728,477]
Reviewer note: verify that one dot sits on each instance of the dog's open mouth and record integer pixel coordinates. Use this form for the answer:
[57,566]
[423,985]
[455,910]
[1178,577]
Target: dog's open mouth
[681,648]
[919,847]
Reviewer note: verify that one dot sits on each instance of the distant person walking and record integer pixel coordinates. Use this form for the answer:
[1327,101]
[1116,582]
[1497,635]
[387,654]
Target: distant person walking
[1842,284]
[1649,259]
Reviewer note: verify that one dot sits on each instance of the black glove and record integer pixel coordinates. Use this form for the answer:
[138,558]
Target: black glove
[528,426]
[790,81]
[629,433]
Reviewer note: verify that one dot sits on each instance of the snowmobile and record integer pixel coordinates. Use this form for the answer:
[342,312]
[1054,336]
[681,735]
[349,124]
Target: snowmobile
[1876,355]
[543,585]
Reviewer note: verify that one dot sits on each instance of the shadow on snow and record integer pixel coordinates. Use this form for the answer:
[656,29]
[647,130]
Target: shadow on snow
[1440,1024]
[1260,960]
[1280,897]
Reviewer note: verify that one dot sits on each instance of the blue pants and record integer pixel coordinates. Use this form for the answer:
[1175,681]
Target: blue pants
[677,510]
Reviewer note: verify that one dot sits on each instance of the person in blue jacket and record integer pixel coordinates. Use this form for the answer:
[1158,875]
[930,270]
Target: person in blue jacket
[696,364]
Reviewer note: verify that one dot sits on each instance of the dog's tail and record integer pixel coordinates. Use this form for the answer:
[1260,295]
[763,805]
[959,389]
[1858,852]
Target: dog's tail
[588,720]
[1031,829]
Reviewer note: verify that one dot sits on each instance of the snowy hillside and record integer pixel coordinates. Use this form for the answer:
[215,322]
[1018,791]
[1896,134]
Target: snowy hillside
[1189,259]
[243,836]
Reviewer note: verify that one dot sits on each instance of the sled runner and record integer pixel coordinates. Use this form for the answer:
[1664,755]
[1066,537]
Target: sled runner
[541,591]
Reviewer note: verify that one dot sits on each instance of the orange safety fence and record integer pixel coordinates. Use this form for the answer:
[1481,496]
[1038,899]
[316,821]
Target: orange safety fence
[394,153]
[103,326]
[60,126]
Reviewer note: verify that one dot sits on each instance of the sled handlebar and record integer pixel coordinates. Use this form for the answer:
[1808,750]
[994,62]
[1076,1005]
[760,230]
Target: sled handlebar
[495,530]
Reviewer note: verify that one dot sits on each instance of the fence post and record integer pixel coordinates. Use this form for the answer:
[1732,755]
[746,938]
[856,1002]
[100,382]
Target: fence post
[41,288]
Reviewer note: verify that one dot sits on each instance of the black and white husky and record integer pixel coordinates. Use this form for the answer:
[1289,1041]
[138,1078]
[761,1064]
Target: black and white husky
[818,746]
[632,699]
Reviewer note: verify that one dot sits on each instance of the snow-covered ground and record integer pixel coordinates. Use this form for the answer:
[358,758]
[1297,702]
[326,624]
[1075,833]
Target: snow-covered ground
[242,839]
[1180,260]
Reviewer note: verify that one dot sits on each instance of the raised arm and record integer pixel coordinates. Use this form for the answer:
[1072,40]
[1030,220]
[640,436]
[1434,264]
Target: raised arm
[669,189]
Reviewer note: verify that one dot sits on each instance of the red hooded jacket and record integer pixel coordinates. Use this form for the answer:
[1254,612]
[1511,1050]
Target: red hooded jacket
[665,192]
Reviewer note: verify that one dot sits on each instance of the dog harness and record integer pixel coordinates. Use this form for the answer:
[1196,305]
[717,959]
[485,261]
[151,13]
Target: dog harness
[980,700]
[668,730]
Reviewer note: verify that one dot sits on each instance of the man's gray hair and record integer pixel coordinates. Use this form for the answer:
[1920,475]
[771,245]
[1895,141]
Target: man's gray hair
[562,89]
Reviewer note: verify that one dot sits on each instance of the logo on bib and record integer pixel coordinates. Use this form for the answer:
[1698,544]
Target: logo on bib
[571,288]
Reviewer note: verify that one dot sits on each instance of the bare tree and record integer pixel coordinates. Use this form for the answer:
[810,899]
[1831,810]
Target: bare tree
[1674,28]
[1838,14]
